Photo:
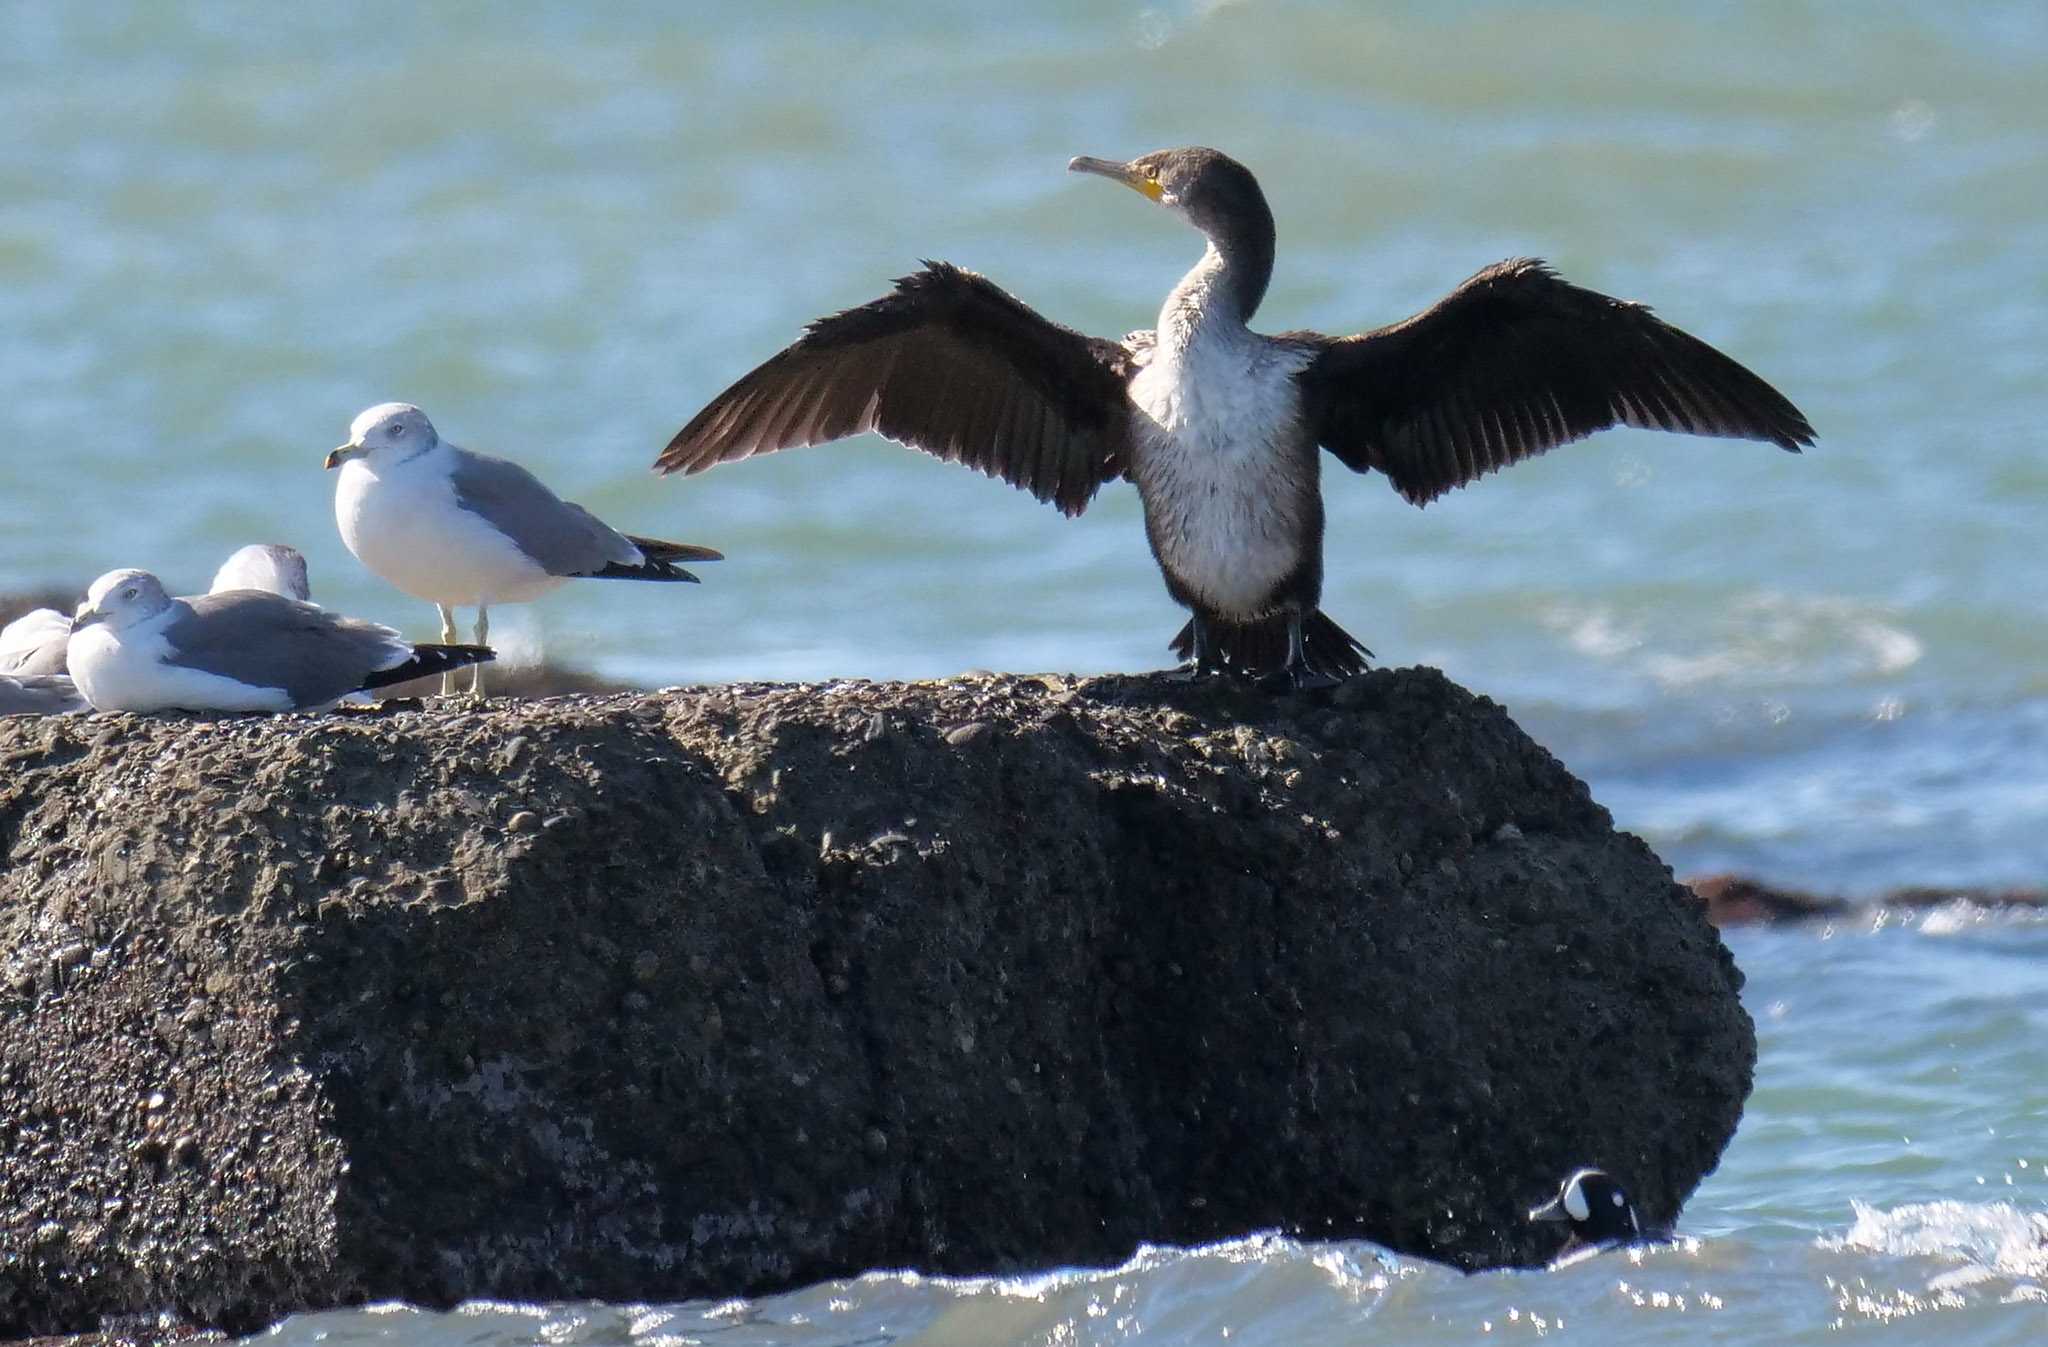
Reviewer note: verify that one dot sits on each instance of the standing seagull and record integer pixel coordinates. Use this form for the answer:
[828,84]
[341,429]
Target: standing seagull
[458,528]
[1218,425]
[135,648]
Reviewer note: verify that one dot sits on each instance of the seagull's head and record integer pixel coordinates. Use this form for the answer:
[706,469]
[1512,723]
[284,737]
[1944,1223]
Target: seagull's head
[267,566]
[120,599]
[386,433]
[1207,187]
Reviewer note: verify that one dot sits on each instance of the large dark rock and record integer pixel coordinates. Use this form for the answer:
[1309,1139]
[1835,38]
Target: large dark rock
[724,991]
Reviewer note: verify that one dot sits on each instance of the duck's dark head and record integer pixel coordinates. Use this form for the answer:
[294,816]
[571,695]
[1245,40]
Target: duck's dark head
[1595,1208]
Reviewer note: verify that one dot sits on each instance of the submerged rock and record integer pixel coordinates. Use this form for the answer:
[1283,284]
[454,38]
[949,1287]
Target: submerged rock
[724,991]
[1740,900]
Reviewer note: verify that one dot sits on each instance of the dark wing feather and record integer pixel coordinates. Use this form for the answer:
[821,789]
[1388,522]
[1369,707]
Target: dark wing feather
[1516,361]
[947,363]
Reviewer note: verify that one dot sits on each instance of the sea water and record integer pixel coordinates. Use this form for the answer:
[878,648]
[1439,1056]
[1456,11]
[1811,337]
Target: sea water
[224,229]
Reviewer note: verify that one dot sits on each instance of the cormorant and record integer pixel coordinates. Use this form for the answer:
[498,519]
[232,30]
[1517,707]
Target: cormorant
[1217,425]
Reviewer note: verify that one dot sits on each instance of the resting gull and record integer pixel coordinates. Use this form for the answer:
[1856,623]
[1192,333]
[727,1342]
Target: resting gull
[272,567]
[34,642]
[135,648]
[458,528]
[38,695]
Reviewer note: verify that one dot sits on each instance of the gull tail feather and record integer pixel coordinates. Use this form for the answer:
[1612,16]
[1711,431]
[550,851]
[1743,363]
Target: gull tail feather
[428,660]
[660,564]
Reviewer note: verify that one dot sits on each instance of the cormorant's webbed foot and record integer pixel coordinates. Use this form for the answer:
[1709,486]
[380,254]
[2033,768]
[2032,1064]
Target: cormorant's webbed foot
[1203,662]
[1298,675]
[1298,678]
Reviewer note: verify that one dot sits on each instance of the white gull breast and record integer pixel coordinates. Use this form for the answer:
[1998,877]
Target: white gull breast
[405,523]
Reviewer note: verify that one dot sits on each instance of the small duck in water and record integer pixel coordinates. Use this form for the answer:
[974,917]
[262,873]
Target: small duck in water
[1596,1210]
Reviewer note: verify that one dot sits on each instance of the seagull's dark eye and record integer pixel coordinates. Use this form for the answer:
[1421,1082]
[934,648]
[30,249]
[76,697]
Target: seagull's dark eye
[396,431]
[128,593]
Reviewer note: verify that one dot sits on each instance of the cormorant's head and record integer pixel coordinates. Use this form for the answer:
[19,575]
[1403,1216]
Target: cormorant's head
[1596,1209]
[387,432]
[1218,195]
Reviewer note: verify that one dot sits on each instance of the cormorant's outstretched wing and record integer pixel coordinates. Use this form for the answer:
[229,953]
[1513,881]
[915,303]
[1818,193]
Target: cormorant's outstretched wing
[947,363]
[1516,361]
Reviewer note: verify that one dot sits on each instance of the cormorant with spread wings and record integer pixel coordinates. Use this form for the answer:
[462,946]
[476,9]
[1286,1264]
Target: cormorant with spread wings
[1219,427]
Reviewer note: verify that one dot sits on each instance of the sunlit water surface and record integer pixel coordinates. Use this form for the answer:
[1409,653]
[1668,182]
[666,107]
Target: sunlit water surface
[562,228]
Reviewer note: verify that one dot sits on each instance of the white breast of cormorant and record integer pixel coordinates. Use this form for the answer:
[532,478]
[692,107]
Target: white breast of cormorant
[1220,460]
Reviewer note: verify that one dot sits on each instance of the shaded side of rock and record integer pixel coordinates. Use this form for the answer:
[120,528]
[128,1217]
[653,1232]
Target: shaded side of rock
[771,984]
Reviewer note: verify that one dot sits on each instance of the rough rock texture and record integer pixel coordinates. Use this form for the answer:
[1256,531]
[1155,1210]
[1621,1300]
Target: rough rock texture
[723,991]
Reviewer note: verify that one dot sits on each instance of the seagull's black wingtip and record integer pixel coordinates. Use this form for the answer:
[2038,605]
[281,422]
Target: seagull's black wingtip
[426,661]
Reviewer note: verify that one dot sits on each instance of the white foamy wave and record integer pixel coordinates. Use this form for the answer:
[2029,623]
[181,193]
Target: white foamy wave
[1754,639]
[1963,914]
[1991,1240]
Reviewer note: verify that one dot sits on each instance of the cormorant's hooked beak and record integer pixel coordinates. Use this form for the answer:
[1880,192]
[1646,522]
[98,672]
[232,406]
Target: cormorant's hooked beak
[1553,1210]
[1130,176]
[337,457]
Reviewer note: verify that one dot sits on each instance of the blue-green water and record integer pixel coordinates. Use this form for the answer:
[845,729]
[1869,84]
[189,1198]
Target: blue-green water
[224,229]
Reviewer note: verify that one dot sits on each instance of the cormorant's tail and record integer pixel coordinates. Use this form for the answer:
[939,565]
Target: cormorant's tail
[428,660]
[1253,648]
[660,565]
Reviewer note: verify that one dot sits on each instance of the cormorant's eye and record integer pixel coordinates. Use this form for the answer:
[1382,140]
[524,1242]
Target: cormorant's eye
[1152,173]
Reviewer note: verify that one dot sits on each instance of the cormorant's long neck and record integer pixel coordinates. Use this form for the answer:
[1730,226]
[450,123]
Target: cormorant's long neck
[1227,284]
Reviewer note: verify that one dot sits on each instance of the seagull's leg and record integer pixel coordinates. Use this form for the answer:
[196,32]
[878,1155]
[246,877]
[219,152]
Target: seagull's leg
[448,635]
[483,632]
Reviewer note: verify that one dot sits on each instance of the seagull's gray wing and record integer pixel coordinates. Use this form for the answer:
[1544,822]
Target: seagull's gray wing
[562,538]
[39,695]
[268,641]
[34,643]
